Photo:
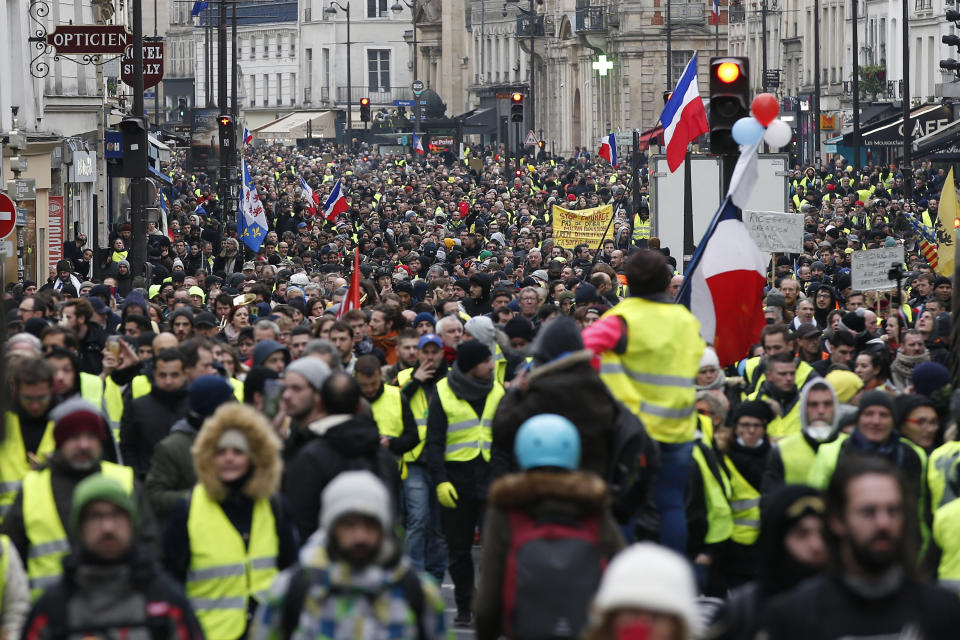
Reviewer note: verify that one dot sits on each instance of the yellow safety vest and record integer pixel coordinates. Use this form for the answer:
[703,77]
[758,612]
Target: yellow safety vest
[224,572]
[797,456]
[803,374]
[13,459]
[5,550]
[655,376]
[641,229]
[745,505]
[388,412]
[113,403]
[117,256]
[46,534]
[237,389]
[499,365]
[468,435]
[419,406]
[787,425]
[943,462]
[716,494]
[946,523]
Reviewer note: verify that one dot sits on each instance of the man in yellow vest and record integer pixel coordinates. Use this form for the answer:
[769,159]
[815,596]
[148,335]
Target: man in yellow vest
[780,387]
[398,429]
[458,449]
[110,571]
[39,531]
[650,351]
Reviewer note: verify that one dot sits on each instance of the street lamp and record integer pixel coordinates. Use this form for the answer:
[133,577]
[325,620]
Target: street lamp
[332,10]
[397,8]
[531,26]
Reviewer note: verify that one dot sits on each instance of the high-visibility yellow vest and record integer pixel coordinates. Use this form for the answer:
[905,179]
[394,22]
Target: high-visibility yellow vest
[13,459]
[641,229]
[655,376]
[117,256]
[91,389]
[797,456]
[237,389]
[5,550]
[787,425]
[716,494]
[499,365]
[942,465]
[113,403]
[388,412]
[419,407]
[753,389]
[140,386]
[745,505]
[946,524]
[468,435]
[224,572]
[46,534]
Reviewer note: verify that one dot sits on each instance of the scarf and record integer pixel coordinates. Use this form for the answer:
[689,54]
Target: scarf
[716,385]
[889,449]
[467,388]
[902,368]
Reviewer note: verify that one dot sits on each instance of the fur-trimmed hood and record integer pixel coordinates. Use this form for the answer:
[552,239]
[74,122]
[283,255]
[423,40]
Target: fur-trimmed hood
[517,490]
[264,451]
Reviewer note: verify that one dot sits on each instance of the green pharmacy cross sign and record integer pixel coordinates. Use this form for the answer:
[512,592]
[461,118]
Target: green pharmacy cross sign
[602,65]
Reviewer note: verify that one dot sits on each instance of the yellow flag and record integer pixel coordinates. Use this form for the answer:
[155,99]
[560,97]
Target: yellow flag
[946,231]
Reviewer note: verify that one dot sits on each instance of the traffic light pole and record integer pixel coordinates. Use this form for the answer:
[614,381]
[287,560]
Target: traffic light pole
[222,104]
[138,213]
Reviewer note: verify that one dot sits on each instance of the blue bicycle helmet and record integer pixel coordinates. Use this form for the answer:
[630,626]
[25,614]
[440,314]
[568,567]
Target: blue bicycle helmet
[547,440]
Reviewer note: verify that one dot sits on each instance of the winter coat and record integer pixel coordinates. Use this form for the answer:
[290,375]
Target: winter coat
[545,496]
[171,475]
[614,444]
[113,600]
[336,443]
[15,598]
[146,421]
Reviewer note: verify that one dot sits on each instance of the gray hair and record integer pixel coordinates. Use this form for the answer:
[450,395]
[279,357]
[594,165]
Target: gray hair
[26,338]
[321,347]
[270,325]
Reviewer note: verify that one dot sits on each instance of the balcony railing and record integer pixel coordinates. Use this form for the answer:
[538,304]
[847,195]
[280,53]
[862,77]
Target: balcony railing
[736,13]
[591,18]
[377,96]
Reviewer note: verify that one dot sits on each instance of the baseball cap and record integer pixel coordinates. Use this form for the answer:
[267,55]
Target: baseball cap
[806,330]
[429,338]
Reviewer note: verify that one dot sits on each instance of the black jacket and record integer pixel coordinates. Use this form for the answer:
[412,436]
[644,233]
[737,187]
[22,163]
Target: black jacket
[334,444]
[145,422]
[91,347]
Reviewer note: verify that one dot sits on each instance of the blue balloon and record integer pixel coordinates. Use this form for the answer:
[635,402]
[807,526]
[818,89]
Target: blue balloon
[747,131]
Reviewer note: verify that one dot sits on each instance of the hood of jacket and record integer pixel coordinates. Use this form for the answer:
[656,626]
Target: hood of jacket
[518,490]
[264,451]
[818,383]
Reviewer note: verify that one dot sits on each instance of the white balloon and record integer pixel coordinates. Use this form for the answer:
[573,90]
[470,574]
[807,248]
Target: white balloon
[778,133]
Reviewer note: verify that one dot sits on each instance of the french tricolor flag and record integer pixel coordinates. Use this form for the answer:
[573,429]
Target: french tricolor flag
[247,136]
[312,198]
[684,119]
[715,10]
[418,144]
[723,285]
[336,203]
[608,149]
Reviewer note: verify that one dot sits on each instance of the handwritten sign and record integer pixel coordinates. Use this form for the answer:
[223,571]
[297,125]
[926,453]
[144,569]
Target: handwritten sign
[775,232]
[582,226]
[870,268]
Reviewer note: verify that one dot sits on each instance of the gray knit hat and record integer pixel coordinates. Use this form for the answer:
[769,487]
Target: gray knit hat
[355,492]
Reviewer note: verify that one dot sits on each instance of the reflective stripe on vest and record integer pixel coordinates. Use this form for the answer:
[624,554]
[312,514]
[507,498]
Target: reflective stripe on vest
[797,456]
[44,530]
[5,551]
[468,435]
[654,376]
[419,407]
[388,412]
[224,572]
[716,489]
[745,504]
[13,459]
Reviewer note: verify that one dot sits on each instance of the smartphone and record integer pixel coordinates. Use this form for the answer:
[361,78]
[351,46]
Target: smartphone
[272,390]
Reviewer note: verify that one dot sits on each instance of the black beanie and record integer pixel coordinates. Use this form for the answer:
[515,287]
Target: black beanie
[561,335]
[755,409]
[875,398]
[470,354]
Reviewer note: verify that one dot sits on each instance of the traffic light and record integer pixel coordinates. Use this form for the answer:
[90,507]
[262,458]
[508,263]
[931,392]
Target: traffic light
[729,100]
[134,131]
[516,107]
[182,109]
[951,40]
[518,173]
[226,133]
[365,109]
[541,144]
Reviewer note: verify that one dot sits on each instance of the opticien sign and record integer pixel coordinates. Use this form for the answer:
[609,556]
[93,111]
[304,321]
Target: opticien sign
[89,39]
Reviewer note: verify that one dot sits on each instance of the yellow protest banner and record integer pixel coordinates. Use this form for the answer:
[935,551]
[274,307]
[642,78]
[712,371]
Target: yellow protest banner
[581,226]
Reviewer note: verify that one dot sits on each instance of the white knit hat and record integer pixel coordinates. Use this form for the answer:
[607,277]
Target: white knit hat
[358,492]
[648,576]
[709,358]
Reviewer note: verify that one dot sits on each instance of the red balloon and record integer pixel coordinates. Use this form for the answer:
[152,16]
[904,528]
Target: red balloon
[765,108]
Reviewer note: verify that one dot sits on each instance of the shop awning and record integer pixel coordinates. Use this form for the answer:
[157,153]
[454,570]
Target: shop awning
[160,176]
[924,120]
[651,136]
[944,140]
[322,124]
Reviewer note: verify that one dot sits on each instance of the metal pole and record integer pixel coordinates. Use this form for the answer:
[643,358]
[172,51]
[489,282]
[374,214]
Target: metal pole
[716,35]
[669,49]
[138,214]
[234,67]
[156,88]
[222,104]
[763,43]
[416,99]
[816,78]
[907,159]
[349,82]
[533,68]
[856,87]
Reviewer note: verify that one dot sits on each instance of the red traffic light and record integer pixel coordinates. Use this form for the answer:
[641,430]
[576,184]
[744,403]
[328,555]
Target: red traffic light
[517,172]
[516,97]
[728,72]
[364,102]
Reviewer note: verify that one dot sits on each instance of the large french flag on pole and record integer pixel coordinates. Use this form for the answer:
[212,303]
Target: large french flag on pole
[715,11]
[336,203]
[608,149]
[723,285]
[684,119]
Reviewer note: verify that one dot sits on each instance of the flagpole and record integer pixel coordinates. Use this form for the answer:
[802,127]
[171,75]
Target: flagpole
[716,30]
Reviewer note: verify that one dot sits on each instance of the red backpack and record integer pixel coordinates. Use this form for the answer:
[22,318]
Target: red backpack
[552,571]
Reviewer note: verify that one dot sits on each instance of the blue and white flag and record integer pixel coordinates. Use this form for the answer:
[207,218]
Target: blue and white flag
[251,218]
[198,6]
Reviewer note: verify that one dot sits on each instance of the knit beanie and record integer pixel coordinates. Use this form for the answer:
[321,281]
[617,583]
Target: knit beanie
[755,409]
[425,316]
[709,358]
[470,354]
[854,322]
[354,492]
[76,416]
[875,398]
[929,377]
[519,328]
[314,370]
[482,329]
[206,393]
[556,338]
[99,487]
[845,383]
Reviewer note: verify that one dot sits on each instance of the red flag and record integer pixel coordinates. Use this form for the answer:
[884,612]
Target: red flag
[352,299]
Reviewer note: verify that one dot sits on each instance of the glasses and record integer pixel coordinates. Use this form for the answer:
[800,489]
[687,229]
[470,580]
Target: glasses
[928,422]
